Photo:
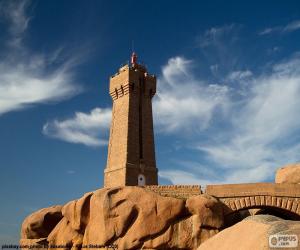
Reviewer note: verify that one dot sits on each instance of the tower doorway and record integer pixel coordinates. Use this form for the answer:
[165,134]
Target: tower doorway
[141,180]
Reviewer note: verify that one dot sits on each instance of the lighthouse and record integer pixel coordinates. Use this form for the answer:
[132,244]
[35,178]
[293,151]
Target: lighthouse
[131,149]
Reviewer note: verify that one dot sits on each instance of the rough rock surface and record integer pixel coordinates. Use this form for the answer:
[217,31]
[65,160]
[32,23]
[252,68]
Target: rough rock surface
[288,174]
[40,224]
[251,233]
[129,217]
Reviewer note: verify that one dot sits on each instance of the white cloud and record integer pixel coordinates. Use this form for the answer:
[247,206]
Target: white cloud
[181,177]
[239,75]
[263,128]
[189,172]
[214,69]
[89,129]
[177,69]
[219,48]
[27,77]
[268,31]
[189,176]
[20,87]
[215,34]
[182,101]
[259,133]
[290,27]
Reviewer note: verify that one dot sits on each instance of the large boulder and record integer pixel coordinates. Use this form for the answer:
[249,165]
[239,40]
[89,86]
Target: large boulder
[204,220]
[251,233]
[288,174]
[129,215]
[131,218]
[41,223]
[208,209]
[70,230]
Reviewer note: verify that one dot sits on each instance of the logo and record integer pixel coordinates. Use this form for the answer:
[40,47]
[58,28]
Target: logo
[283,240]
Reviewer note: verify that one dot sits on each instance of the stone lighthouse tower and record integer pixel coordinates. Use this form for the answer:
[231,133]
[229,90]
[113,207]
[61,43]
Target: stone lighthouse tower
[131,152]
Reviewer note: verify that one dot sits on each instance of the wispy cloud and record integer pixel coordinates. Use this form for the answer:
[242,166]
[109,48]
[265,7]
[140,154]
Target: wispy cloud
[268,31]
[239,75]
[181,177]
[183,100]
[290,27]
[262,131]
[28,77]
[218,47]
[89,129]
[14,13]
[185,171]
[188,176]
[258,128]
[213,35]
[21,86]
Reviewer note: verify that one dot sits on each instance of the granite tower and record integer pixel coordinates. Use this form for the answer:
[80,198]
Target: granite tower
[131,151]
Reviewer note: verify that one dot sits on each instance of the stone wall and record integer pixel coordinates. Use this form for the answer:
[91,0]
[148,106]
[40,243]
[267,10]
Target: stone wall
[176,191]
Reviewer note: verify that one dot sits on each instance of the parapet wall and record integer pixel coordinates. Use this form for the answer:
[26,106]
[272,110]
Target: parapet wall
[176,191]
[254,189]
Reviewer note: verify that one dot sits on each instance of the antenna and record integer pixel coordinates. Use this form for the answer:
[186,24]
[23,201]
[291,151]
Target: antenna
[132,46]
[133,58]
[133,54]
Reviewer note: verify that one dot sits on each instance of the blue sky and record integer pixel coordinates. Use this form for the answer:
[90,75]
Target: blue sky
[226,110]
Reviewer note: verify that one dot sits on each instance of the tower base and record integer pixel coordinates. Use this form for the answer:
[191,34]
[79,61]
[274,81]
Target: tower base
[130,175]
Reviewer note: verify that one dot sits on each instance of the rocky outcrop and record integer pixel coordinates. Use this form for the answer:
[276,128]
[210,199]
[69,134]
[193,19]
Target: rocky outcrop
[37,226]
[288,174]
[129,217]
[251,233]
[41,223]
